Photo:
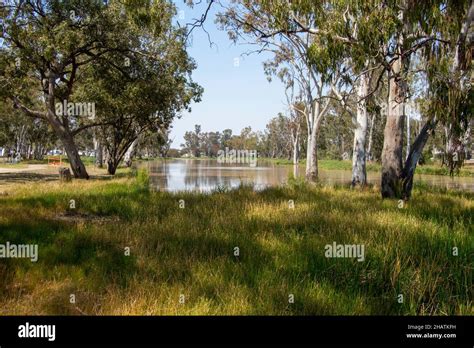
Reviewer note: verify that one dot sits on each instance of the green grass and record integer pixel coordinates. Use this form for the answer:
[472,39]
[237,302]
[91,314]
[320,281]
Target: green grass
[346,165]
[190,251]
[430,169]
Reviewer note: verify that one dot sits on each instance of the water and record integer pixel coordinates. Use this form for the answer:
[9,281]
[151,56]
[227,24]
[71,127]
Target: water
[207,175]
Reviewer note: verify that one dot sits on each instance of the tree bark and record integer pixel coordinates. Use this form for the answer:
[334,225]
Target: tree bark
[296,149]
[70,147]
[111,166]
[312,145]
[413,158]
[75,161]
[468,141]
[408,136]
[99,153]
[312,158]
[62,131]
[393,133]
[130,153]
[371,135]
[359,173]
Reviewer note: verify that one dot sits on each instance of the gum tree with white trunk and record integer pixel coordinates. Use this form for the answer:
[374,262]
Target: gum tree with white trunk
[300,50]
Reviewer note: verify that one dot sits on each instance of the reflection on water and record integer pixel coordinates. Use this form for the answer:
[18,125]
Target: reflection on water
[206,175]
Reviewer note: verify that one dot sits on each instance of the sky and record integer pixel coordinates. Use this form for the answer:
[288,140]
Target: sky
[235,95]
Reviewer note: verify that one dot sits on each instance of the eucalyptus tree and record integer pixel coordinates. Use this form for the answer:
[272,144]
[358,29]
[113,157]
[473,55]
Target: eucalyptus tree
[432,28]
[388,34]
[296,118]
[355,27]
[144,96]
[300,57]
[48,44]
[449,73]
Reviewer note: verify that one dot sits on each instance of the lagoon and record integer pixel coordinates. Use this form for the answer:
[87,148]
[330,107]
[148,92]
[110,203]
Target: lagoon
[205,175]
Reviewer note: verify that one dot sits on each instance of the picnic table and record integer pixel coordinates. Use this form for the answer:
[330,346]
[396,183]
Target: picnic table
[55,160]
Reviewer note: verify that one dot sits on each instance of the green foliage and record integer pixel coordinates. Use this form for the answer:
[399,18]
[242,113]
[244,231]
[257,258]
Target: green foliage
[296,183]
[128,57]
[143,179]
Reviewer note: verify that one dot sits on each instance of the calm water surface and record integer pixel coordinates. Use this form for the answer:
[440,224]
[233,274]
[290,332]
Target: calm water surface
[206,175]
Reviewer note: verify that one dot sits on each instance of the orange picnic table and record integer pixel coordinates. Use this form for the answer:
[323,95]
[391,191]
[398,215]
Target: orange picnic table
[55,160]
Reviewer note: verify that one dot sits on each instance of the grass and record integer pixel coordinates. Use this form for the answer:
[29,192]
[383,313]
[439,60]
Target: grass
[190,251]
[87,160]
[429,169]
[14,165]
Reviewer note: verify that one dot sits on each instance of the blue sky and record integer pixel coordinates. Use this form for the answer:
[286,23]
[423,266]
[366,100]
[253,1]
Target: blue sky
[234,96]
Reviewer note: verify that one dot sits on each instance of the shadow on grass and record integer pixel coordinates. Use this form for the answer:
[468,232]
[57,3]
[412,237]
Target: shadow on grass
[442,282]
[17,178]
[213,225]
[89,262]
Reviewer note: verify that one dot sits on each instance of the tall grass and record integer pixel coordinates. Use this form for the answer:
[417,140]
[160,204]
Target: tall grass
[189,249]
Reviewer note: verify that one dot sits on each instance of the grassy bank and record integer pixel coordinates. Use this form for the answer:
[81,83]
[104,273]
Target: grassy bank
[429,169]
[190,251]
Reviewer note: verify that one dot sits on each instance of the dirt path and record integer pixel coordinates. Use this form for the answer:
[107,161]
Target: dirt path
[39,173]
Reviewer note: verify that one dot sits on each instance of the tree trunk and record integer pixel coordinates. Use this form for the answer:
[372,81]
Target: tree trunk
[408,136]
[468,141]
[70,147]
[371,135]
[312,158]
[312,145]
[413,158]
[62,131]
[75,161]
[130,153]
[393,133]
[111,166]
[359,173]
[99,153]
[296,148]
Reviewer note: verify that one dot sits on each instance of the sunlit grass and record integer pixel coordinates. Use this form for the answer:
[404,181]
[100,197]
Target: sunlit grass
[327,164]
[190,251]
